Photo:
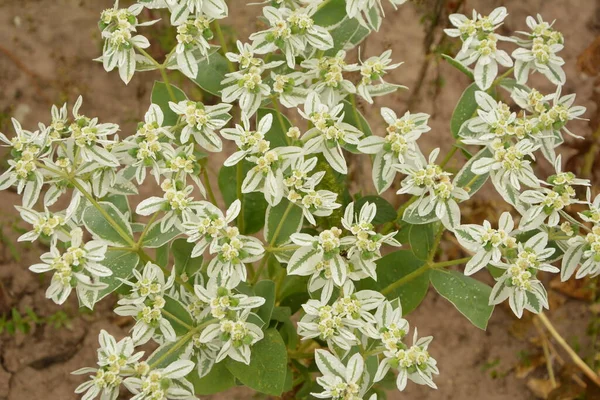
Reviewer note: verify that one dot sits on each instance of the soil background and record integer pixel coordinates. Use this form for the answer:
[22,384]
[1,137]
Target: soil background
[46,52]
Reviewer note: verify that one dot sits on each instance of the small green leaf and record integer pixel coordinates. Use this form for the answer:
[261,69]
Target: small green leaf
[385,211]
[421,238]
[465,109]
[178,315]
[266,290]
[465,70]
[155,238]
[349,33]
[354,117]
[96,223]
[254,204]
[393,267]
[211,72]
[330,14]
[279,229]
[161,97]
[468,295]
[184,263]
[465,177]
[168,353]
[218,380]
[277,134]
[267,370]
[121,263]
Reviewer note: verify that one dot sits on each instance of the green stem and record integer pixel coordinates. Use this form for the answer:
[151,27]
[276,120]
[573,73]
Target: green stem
[174,318]
[499,79]
[209,190]
[449,156]
[355,111]
[147,228]
[163,73]
[281,249]
[280,118]
[239,175]
[223,43]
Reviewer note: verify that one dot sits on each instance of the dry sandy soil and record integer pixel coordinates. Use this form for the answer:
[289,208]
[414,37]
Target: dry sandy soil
[45,58]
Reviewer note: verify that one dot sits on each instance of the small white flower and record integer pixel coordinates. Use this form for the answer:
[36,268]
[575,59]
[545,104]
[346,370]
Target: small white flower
[182,9]
[340,382]
[398,146]
[485,242]
[237,337]
[247,87]
[201,122]
[167,383]
[79,267]
[248,142]
[519,283]
[372,71]
[329,134]
[53,226]
[222,303]
[326,74]
[192,44]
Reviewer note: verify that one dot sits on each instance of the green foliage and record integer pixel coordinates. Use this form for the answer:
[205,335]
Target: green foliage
[394,267]
[161,97]
[277,229]
[99,226]
[421,239]
[211,72]
[465,109]
[465,177]
[385,211]
[277,134]
[155,238]
[218,379]
[267,370]
[266,290]
[182,254]
[121,263]
[15,321]
[468,295]
[254,204]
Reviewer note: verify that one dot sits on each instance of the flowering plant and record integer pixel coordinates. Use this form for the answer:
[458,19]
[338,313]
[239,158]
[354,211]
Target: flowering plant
[291,283]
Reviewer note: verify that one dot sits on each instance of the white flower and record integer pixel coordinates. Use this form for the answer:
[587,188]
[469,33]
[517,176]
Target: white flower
[149,320]
[372,71]
[480,44]
[519,283]
[176,202]
[247,87]
[509,165]
[248,142]
[412,363]
[390,325]
[201,122]
[322,321]
[291,31]
[118,27]
[289,88]
[237,337]
[208,224]
[583,251]
[437,193]
[326,74]
[116,360]
[180,164]
[53,226]
[485,242]
[366,243]
[192,44]
[79,267]
[266,175]
[368,12]
[222,303]
[148,285]
[167,383]
[398,146]
[232,251]
[538,52]
[341,382]
[329,132]
[182,9]
[27,149]
[299,188]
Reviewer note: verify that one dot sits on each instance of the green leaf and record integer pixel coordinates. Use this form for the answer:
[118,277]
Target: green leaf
[178,315]
[120,201]
[421,238]
[275,223]
[277,134]
[349,33]
[266,290]
[466,176]
[182,254]
[465,109]
[96,223]
[162,255]
[211,72]
[510,84]
[385,211]
[293,292]
[393,267]
[467,71]
[267,370]
[468,295]
[160,96]
[331,14]
[121,263]
[353,117]
[218,379]
[168,353]
[254,204]
[155,238]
